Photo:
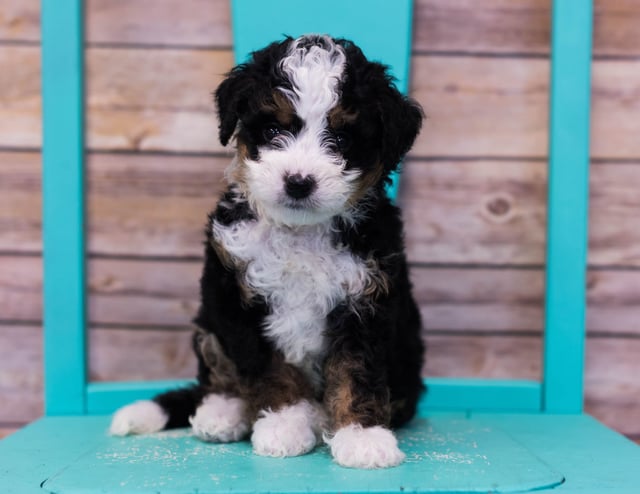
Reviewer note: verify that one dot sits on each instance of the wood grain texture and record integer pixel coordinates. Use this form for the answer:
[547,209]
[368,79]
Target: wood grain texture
[159,99]
[474,211]
[612,387]
[159,22]
[153,99]
[523,27]
[118,354]
[496,26]
[613,393]
[20,373]
[151,205]
[490,26]
[482,212]
[165,294]
[20,202]
[20,20]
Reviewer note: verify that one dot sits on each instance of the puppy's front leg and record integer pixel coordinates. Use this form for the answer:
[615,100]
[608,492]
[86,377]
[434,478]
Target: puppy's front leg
[288,421]
[357,397]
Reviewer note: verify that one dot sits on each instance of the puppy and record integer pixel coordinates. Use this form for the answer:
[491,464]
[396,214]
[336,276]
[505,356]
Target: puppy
[307,328]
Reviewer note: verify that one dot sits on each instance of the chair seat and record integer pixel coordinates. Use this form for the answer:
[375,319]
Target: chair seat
[446,453]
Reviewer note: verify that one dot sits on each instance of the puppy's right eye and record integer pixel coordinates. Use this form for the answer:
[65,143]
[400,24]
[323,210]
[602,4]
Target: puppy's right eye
[270,132]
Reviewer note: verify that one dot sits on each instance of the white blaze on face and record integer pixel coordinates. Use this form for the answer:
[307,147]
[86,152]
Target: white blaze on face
[315,73]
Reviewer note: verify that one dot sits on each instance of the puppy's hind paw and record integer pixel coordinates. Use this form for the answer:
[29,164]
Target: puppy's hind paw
[355,446]
[141,417]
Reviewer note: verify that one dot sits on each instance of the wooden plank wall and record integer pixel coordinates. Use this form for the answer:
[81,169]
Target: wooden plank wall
[473,192]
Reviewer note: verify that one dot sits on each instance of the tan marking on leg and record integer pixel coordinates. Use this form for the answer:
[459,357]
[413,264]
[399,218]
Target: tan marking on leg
[345,403]
[281,385]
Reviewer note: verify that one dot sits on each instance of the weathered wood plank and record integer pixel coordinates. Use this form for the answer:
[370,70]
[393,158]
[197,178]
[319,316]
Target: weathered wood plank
[461,299]
[20,288]
[615,31]
[503,26]
[612,391]
[481,212]
[495,26]
[202,23]
[481,106]
[150,294]
[159,99]
[190,23]
[612,364]
[154,293]
[615,105]
[120,354]
[20,100]
[502,300]
[154,99]
[20,20]
[20,373]
[490,26]
[612,388]
[20,202]
[171,199]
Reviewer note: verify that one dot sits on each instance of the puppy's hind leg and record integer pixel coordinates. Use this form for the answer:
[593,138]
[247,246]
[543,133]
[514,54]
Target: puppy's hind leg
[166,411]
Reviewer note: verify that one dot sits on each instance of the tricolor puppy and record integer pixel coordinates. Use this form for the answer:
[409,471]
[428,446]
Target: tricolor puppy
[307,329]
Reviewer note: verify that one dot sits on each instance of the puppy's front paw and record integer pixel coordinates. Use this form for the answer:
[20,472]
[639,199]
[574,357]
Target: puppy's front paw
[141,417]
[290,431]
[355,446]
[220,419]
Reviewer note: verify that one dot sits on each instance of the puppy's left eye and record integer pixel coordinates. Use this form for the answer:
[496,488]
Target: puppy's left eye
[343,140]
[271,131]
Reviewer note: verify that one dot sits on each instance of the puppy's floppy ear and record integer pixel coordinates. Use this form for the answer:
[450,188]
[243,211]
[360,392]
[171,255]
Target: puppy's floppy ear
[231,98]
[401,120]
[247,84]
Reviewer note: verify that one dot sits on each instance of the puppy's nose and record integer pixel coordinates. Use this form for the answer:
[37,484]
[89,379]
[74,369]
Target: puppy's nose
[299,187]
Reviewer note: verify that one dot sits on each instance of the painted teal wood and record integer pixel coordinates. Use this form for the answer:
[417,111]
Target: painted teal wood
[445,453]
[444,394]
[565,299]
[482,395]
[63,207]
[107,397]
[361,21]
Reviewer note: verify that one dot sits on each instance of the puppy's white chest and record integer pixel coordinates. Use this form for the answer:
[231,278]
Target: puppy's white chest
[301,275]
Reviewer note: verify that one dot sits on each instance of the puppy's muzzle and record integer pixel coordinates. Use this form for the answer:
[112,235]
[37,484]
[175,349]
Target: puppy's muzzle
[298,187]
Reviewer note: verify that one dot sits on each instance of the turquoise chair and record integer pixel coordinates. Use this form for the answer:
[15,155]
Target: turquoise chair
[470,435]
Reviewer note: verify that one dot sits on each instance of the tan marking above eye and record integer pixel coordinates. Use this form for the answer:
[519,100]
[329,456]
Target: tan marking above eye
[339,117]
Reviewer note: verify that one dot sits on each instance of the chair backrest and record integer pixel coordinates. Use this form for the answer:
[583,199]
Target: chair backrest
[67,390]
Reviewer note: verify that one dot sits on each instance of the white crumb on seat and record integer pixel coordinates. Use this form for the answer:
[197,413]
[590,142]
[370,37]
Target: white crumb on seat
[355,446]
[220,419]
[141,417]
[291,431]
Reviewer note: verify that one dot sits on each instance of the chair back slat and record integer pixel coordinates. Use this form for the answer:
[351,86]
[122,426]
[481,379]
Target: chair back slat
[567,203]
[63,207]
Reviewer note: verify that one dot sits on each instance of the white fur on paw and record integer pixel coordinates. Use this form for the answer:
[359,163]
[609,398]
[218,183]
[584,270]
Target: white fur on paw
[220,419]
[141,417]
[291,431]
[355,446]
